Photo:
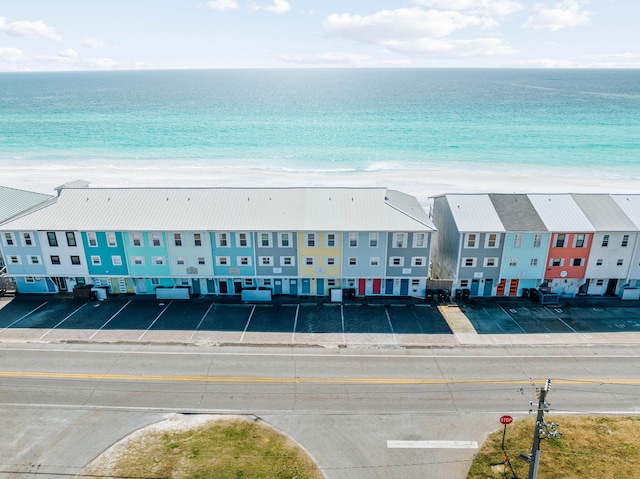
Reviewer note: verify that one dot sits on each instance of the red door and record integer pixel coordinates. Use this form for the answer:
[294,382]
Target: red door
[362,286]
[377,282]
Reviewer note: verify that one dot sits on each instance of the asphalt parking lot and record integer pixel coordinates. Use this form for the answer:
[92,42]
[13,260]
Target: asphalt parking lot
[574,315]
[138,317]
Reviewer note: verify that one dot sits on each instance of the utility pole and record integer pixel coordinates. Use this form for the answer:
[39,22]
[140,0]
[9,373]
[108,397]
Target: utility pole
[541,429]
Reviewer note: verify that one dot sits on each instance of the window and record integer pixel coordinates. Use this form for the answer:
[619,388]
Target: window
[576,262]
[330,261]
[222,260]
[399,240]
[55,259]
[111,239]
[158,260]
[287,261]
[560,239]
[92,239]
[397,261]
[353,261]
[223,240]
[29,279]
[15,260]
[75,260]
[52,238]
[71,238]
[331,240]
[243,240]
[33,259]
[96,261]
[373,240]
[580,240]
[331,283]
[156,239]
[248,282]
[415,282]
[116,260]
[600,282]
[310,240]
[136,239]
[374,261]
[418,261]
[464,283]
[537,240]
[8,239]
[490,262]
[605,241]
[244,261]
[419,240]
[619,263]
[309,260]
[181,260]
[599,262]
[155,281]
[353,240]
[492,240]
[533,262]
[177,239]
[266,282]
[469,262]
[556,262]
[284,239]
[625,241]
[517,240]
[265,260]
[513,262]
[27,239]
[472,240]
[197,239]
[201,260]
[265,240]
[138,260]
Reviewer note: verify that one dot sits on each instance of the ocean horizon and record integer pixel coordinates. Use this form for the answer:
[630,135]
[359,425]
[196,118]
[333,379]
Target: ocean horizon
[424,131]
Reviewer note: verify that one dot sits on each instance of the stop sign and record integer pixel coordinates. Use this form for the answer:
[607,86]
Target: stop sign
[506,420]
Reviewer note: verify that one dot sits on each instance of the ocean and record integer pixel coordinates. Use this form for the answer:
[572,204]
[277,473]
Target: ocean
[426,131]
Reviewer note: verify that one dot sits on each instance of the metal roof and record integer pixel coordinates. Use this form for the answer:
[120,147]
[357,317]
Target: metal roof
[474,212]
[234,209]
[560,212]
[516,212]
[630,204]
[14,202]
[603,212]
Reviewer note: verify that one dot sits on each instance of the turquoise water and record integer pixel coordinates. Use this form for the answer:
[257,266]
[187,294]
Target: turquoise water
[326,120]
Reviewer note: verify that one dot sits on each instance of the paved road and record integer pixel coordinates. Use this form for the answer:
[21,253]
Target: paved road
[61,405]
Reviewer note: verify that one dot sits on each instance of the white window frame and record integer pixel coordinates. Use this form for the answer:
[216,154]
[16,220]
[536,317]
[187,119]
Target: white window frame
[136,239]
[265,260]
[177,240]
[419,261]
[399,240]
[599,261]
[92,239]
[116,260]
[96,260]
[197,239]
[137,260]
[576,238]
[8,239]
[181,261]
[242,240]
[353,261]
[222,239]
[285,237]
[373,240]
[397,261]
[264,236]
[311,240]
[27,239]
[492,238]
[353,240]
[513,262]
[420,240]
[559,260]
[291,260]
[223,260]
[112,240]
[156,239]
[560,237]
[331,240]
[490,262]
[471,240]
[309,260]
[465,260]
[243,260]
[31,257]
[330,261]
[537,240]
[15,259]
[374,261]
[202,260]
[158,260]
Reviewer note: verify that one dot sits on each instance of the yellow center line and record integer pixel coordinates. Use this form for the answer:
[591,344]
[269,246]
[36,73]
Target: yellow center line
[302,380]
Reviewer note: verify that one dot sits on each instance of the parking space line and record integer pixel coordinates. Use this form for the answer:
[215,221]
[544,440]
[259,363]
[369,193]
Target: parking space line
[295,324]
[344,339]
[71,314]
[154,321]
[248,321]
[393,333]
[109,320]
[201,321]
[22,317]
[561,320]
[509,316]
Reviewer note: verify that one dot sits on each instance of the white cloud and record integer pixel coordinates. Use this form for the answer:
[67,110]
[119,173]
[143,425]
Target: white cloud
[94,43]
[222,5]
[11,55]
[101,63]
[483,7]
[478,47]
[68,53]
[29,29]
[562,15]
[348,59]
[402,23]
[278,6]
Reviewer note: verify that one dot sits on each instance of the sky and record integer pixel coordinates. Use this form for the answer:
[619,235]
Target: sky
[55,35]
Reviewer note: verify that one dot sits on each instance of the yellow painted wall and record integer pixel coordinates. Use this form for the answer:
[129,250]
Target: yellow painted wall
[320,252]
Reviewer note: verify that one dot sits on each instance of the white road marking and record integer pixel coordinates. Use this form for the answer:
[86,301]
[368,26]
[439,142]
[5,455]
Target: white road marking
[22,317]
[41,337]
[295,324]
[432,444]
[154,321]
[247,325]
[201,321]
[109,320]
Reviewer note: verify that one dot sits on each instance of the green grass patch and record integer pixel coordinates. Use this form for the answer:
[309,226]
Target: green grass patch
[602,447]
[222,449]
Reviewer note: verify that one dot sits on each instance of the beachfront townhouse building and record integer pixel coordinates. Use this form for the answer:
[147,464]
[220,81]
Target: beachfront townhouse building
[570,245]
[470,242]
[298,241]
[526,244]
[630,205]
[612,249]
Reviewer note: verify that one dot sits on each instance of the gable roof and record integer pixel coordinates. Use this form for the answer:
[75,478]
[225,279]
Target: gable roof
[630,204]
[603,212]
[14,202]
[235,209]
[560,212]
[474,213]
[516,212]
